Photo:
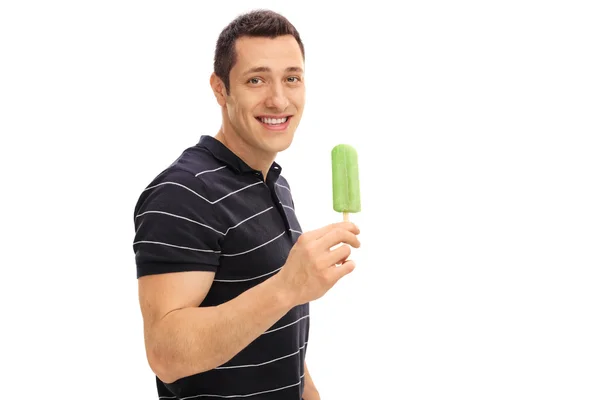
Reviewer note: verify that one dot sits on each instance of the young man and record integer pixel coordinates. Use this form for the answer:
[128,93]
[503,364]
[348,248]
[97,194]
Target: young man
[225,273]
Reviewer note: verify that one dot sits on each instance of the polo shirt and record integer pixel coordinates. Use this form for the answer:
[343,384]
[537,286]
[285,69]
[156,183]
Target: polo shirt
[210,211]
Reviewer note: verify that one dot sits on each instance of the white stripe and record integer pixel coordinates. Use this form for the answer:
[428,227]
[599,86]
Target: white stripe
[287,207]
[204,198]
[285,326]
[247,279]
[179,247]
[210,170]
[257,247]
[206,226]
[247,219]
[256,277]
[179,216]
[244,395]
[285,187]
[266,362]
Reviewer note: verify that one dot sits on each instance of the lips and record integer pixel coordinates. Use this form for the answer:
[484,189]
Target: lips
[273,120]
[274,123]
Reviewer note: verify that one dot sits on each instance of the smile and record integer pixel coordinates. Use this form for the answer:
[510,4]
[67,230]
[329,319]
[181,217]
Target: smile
[274,123]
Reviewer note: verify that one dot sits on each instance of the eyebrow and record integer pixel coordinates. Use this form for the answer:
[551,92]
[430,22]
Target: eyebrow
[267,69]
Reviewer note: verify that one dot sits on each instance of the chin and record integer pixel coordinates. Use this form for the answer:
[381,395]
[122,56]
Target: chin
[278,142]
[275,141]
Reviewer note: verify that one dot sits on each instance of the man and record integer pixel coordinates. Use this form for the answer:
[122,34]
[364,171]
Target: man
[225,273]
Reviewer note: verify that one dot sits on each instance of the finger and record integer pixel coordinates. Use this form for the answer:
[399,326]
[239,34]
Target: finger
[337,256]
[336,237]
[319,233]
[337,273]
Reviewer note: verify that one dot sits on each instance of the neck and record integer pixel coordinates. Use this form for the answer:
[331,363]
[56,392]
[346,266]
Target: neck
[253,157]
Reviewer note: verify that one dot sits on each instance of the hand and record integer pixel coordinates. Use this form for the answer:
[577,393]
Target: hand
[311,270]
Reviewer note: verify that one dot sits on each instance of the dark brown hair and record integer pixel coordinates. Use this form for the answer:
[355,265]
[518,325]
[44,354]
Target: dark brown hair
[257,23]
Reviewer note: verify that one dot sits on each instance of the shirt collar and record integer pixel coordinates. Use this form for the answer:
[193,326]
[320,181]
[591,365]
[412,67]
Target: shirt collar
[225,155]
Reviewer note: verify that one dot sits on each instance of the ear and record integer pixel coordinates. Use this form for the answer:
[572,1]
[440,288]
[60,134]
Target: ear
[218,88]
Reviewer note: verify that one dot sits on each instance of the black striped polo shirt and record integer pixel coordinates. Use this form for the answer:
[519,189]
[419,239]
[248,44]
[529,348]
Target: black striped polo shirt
[210,211]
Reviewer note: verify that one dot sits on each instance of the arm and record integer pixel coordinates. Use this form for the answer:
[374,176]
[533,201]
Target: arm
[310,390]
[183,339]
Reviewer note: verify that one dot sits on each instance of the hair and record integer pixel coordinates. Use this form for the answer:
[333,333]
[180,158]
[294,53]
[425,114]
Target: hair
[257,23]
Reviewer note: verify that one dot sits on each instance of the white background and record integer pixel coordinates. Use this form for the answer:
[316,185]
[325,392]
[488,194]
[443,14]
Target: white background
[477,128]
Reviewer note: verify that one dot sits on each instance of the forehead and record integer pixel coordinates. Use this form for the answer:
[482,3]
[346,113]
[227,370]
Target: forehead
[276,53]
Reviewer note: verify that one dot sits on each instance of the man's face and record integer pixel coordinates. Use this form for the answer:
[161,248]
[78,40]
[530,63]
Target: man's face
[267,92]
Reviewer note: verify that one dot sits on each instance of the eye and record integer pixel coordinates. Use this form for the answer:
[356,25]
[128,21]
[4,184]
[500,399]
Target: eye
[293,79]
[254,81]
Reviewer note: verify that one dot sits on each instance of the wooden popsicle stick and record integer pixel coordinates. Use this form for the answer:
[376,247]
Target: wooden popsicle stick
[346,217]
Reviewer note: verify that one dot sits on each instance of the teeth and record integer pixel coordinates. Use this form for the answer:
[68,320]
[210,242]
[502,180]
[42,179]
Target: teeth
[274,121]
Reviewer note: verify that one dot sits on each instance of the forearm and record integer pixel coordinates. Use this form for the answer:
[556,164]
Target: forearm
[192,340]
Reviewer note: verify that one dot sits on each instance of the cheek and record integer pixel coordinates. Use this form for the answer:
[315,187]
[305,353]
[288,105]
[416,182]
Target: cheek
[235,110]
[243,106]
[247,104]
[298,98]
[231,113]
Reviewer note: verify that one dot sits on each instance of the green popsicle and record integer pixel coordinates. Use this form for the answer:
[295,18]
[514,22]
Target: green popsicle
[345,180]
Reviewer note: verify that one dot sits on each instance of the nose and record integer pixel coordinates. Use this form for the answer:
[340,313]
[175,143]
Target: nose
[277,98]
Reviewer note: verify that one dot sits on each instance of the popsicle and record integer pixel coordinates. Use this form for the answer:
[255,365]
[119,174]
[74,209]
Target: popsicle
[345,180]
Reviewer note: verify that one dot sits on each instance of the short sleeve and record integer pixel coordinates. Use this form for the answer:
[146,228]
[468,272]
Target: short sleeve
[176,228]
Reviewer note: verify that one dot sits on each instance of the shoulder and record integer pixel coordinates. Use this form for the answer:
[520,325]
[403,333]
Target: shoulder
[283,183]
[284,187]
[284,190]
[183,188]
